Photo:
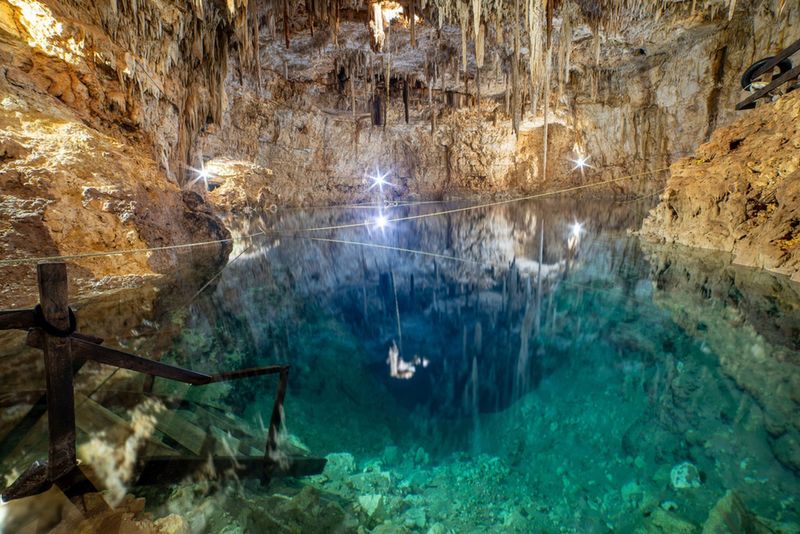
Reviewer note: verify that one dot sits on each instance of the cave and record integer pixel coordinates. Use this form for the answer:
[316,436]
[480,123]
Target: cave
[400,266]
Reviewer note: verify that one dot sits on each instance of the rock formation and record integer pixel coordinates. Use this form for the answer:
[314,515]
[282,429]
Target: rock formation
[634,103]
[740,193]
[100,102]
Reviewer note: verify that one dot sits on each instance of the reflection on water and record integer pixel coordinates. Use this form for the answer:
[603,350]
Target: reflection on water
[532,367]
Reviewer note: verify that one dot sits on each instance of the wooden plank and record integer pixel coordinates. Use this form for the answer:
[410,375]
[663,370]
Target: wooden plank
[236,427]
[248,373]
[175,425]
[53,297]
[92,417]
[275,422]
[783,54]
[172,470]
[780,80]
[17,319]
[125,360]
[108,356]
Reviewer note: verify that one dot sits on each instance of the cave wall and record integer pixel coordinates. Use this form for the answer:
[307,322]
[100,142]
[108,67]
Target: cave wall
[740,192]
[655,100]
[101,102]
[641,99]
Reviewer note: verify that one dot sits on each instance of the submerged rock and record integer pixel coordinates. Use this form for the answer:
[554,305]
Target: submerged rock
[684,476]
[731,515]
[371,504]
[391,455]
[308,511]
[389,528]
[665,522]
[631,492]
[339,465]
[787,449]
[415,518]
[669,506]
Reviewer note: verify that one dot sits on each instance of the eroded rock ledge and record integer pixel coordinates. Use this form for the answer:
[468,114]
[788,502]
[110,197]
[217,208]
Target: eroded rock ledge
[99,106]
[740,193]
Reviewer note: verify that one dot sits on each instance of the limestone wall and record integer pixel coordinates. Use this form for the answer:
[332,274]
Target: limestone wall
[740,192]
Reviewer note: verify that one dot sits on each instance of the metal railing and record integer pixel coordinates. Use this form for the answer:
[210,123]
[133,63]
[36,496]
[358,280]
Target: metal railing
[787,76]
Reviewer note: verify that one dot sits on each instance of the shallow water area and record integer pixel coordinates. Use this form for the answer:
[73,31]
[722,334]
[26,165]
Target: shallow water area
[525,367]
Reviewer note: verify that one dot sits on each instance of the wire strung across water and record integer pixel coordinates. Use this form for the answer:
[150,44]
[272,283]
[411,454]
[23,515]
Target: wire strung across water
[85,255]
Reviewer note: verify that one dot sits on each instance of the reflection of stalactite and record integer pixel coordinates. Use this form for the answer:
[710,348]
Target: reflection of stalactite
[476,420]
[525,332]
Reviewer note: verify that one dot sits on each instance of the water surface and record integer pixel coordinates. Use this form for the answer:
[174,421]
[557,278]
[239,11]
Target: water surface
[529,367]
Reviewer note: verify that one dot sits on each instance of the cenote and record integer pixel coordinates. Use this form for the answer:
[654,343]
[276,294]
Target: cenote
[527,367]
[399,267]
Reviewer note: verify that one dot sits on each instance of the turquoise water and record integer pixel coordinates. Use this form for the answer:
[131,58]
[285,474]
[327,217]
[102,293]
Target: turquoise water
[538,369]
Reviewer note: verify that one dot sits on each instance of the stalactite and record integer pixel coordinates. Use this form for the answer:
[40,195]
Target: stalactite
[478,87]
[479,45]
[546,141]
[286,22]
[353,95]
[377,36]
[476,23]
[466,89]
[568,20]
[507,98]
[257,46]
[463,20]
[430,103]
[387,82]
[535,44]
[337,10]
[413,25]
[405,98]
[597,46]
[515,72]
